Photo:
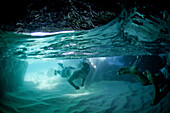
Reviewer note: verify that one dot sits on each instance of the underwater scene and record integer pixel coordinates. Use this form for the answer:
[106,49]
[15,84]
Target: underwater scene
[121,67]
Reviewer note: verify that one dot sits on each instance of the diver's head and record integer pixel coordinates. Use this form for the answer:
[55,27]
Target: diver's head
[84,63]
[85,60]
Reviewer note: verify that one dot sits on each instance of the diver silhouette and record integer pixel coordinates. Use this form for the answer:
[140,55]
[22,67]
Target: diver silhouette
[72,73]
[160,81]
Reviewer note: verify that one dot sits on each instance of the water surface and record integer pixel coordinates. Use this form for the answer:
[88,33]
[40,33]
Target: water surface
[122,36]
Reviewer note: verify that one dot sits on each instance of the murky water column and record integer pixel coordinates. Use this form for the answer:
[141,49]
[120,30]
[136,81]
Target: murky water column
[12,72]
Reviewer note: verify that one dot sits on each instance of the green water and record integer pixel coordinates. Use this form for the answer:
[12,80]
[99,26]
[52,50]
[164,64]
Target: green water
[119,37]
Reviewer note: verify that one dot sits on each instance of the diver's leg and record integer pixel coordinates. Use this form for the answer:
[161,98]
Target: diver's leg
[61,65]
[134,70]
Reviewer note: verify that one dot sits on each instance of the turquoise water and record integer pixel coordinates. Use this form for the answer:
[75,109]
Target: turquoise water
[121,36]
[31,86]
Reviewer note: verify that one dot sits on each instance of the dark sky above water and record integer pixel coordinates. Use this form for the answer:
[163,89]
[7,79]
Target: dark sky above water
[57,15]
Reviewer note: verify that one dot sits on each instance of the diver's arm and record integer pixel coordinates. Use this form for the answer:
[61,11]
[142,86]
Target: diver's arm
[134,70]
[83,80]
[156,96]
[71,83]
[73,77]
[142,78]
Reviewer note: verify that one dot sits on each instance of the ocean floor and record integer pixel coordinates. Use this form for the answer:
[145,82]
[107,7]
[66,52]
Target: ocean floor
[99,97]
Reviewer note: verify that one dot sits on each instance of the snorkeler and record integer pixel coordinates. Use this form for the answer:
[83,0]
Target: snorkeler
[77,73]
[160,81]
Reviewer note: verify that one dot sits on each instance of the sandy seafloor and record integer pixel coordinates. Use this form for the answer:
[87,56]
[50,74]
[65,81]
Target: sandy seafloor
[99,97]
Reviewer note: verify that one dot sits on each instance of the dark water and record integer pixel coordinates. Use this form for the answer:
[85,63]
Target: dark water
[129,34]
